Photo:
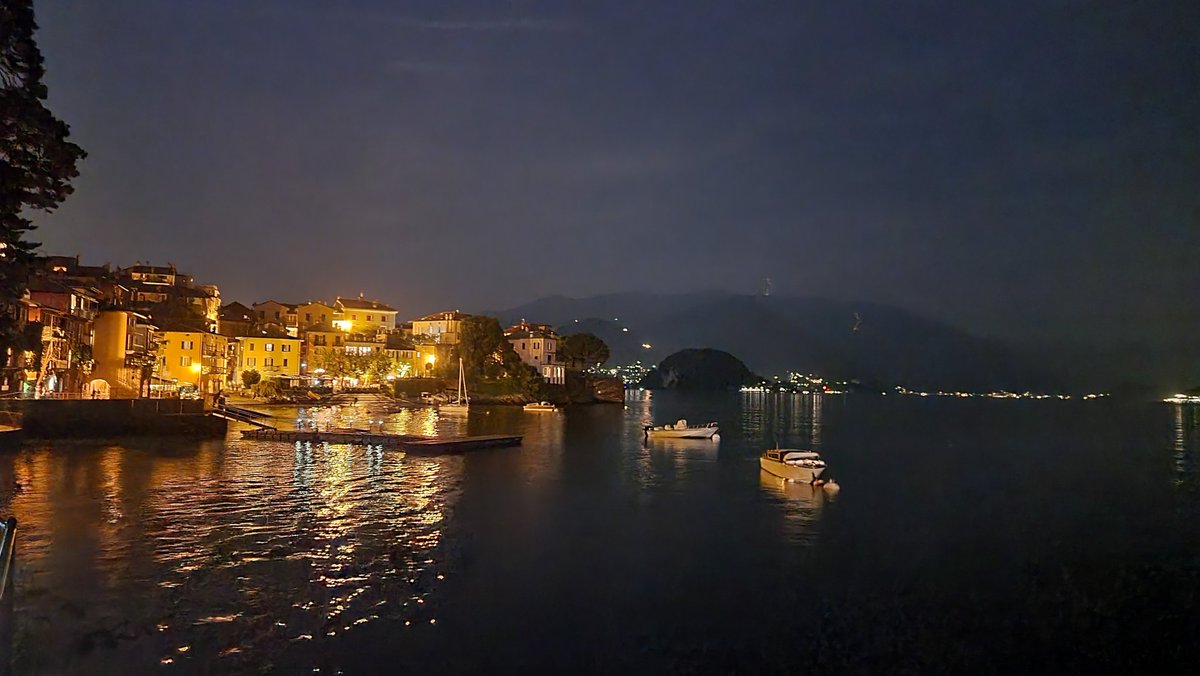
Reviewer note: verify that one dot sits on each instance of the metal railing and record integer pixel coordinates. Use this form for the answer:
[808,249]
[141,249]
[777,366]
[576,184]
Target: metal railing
[8,543]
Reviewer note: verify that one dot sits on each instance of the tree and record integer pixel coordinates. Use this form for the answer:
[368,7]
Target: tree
[268,389]
[37,162]
[583,349]
[379,365]
[479,342]
[250,378]
[335,362]
[526,378]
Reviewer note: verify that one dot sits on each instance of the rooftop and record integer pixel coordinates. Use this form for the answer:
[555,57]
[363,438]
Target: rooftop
[447,316]
[361,303]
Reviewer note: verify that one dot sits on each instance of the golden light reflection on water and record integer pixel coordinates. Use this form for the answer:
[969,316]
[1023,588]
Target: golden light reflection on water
[784,418]
[800,504]
[221,552]
[664,461]
[1186,439]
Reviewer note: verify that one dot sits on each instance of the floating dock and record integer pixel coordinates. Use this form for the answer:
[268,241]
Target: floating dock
[406,442]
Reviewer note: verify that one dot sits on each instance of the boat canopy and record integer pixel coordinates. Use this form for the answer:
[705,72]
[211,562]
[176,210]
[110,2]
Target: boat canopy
[791,454]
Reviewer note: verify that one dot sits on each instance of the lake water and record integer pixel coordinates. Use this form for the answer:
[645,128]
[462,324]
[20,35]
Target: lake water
[986,536]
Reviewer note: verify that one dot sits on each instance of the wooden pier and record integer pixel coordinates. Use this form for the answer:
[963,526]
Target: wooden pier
[407,442]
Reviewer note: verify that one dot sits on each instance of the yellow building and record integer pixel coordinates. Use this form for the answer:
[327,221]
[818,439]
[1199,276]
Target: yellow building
[314,312]
[318,339]
[123,343]
[274,312]
[194,359]
[405,355]
[444,328]
[359,315]
[269,355]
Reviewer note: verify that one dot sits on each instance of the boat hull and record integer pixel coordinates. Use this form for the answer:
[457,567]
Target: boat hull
[690,433]
[791,472]
[453,408]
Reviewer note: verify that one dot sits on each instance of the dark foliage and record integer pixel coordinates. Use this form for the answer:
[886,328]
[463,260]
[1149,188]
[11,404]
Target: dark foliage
[37,162]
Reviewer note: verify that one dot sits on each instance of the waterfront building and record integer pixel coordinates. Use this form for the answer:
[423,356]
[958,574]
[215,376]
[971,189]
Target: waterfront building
[167,295]
[100,278]
[404,353]
[273,354]
[316,340]
[361,343]
[235,320]
[124,354]
[443,328]
[66,313]
[314,312]
[274,312]
[193,358]
[554,374]
[536,344]
[359,315]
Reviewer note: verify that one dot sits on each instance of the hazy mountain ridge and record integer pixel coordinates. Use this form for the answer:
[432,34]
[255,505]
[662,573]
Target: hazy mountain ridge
[775,334]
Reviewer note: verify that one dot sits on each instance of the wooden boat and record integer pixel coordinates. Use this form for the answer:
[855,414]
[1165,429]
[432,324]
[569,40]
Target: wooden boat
[544,406]
[793,464]
[682,430]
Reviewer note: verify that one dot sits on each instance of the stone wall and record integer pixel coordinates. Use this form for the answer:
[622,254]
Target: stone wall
[53,418]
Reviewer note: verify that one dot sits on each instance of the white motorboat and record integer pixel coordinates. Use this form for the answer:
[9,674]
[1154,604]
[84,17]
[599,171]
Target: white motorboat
[793,464]
[541,406]
[462,402]
[682,430]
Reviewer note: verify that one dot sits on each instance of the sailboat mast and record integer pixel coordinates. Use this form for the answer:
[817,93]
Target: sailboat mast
[462,382]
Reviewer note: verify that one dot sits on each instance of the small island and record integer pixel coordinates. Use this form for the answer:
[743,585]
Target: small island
[700,369]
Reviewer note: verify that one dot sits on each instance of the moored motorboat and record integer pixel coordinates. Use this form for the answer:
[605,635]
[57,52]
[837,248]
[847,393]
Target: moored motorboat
[541,406]
[682,430]
[793,464]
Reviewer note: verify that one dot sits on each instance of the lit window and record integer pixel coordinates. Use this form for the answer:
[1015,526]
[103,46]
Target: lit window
[250,361]
[268,361]
[285,348]
[269,347]
[185,361]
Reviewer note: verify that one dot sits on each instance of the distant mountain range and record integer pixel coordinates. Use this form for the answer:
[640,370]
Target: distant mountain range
[878,344]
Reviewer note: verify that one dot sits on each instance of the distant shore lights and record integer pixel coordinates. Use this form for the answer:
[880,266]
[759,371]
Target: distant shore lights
[1181,398]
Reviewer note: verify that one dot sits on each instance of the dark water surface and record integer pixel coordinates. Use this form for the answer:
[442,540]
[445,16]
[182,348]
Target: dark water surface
[982,536]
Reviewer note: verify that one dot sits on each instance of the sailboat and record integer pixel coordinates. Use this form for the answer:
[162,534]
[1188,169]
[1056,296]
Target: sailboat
[462,401]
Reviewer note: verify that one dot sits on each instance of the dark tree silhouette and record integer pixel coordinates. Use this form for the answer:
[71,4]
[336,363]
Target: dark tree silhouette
[583,349]
[37,162]
[481,339]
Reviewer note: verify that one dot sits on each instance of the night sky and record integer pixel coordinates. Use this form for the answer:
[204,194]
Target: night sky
[1022,169]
